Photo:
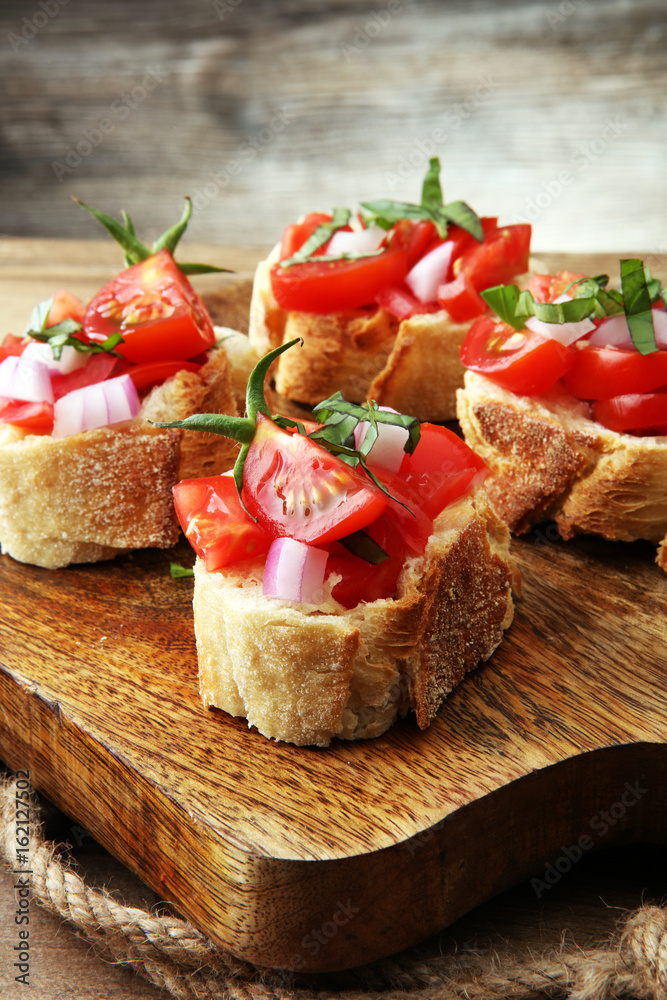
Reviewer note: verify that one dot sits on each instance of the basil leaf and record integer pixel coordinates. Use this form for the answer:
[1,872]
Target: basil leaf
[503,299]
[322,235]
[461,214]
[341,417]
[179,572]
[62,335]
[431,189]
[39,316]
[637,305]
[360,544]
[386,213]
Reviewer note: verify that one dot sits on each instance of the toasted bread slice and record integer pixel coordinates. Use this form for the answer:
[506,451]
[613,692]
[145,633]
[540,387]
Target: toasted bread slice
[92,495]
[305,674]
[549,461]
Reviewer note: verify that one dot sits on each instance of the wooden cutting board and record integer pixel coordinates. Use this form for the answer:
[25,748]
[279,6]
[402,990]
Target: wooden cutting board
[322,859]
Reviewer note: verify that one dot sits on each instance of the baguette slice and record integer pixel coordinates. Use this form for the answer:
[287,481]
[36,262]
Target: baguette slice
[412,365]
[305,674]
[549,461]
[89,496]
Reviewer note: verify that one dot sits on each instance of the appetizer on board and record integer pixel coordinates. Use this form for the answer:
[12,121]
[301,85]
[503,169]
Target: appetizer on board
[565,399]
[347,570]
[83,475]
[382,299]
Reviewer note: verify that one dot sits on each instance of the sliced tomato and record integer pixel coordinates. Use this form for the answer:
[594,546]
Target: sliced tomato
[152,372]
[65,306]
[216,525]
[440,469]
[98,368]
[155,308]
[423,238]
[464,241]
[603,372]
[524,362]
[364,581]
[503,254]
[295,487]
[402,303]
[34,417]
[336,286]
[296,235]
[633,413]
[549,287]
[12,345]
[461,299]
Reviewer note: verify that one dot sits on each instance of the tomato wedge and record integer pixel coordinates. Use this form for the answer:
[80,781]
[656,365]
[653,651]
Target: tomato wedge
[295,487]
[362,580]
[503,254]
[216,525]
[151,372]
[440,469]
[65,306]
[402,303]
[34,417]
[633,413]
[603,372]
[524,362]
[461,299]
[336,286]
[155,308]
[12,345]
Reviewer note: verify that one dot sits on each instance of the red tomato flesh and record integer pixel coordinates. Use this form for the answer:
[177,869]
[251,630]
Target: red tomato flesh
[34,417]
[294,487]
[400,301]
[152,372]
[216,525]
[362,580]
[633,413]
[524,362]
[155,308]
[497,260]
[65,306]
[12,345]
[440,469]
[603,372]
[461,299]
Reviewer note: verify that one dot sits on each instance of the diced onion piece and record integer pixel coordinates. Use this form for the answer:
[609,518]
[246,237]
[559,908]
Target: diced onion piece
[294,571]
[362,241]
[430,272]
[70,359]
[28,380]
[96,405]
[614,331]
[388,449]
[565,333]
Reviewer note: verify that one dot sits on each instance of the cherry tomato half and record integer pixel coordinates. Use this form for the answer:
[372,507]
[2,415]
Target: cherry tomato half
[633,413]
[295,487]
[503,254]
[155,308]
[523,362]
[216,525]
[603,372]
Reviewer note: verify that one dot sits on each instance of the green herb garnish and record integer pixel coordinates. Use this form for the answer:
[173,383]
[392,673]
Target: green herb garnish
[385,213]
[637,304]
[179,572]
[63,334]
[360,543]
[136,251]
[339,419]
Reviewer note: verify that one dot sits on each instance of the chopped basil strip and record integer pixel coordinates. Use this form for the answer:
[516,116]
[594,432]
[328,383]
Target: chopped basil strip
[360,543]
[637,305]
[387,213]
[340,419]
[136,251]
[179,572]
[322,235]
[503,299]
[63,334]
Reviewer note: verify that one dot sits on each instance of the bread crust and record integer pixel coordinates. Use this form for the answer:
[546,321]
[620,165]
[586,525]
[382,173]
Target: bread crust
[89,496]
[306,674]
[412,365]
[549,461]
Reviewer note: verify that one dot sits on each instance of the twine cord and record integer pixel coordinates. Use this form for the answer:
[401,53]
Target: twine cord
[173,955]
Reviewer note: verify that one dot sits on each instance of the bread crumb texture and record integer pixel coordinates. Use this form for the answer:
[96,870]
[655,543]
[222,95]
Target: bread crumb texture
[549,461]
[306,674]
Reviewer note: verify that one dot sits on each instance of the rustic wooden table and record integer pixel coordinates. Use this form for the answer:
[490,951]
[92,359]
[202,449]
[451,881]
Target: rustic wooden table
[549,112]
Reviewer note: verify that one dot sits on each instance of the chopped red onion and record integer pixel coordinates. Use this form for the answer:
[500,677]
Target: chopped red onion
[96,405]
[362,241]
[294,571]
[70,359]
[388,450]
[27,380]
[430,272]
[566,333]
[614,332]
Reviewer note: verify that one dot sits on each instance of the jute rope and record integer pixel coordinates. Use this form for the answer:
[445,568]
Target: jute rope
[170,953]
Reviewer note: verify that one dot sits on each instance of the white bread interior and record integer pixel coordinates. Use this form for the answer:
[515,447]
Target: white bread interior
[549,460]
[306,674]
[91,495]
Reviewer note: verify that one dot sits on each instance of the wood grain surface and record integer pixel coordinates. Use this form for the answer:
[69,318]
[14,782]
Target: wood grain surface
[544,110]
[262,845]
